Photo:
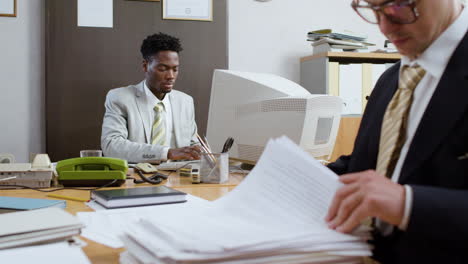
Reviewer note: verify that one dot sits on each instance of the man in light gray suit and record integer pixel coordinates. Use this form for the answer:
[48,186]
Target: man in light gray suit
[149,121]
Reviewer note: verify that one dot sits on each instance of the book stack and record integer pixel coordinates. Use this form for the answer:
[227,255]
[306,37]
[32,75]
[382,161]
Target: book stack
[130,197]
[276,215]
[325,40]
[37,227]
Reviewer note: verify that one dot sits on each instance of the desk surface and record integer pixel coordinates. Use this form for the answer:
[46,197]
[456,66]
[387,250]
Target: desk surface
[98,253]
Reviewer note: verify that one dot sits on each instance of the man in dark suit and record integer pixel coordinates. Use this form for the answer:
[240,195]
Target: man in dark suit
[409,166]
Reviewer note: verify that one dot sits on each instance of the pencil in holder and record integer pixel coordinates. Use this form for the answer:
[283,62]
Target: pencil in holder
[214,167]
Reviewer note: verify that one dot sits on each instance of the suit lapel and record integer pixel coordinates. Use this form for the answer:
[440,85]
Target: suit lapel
[142,105]
[445,109]
[367,142]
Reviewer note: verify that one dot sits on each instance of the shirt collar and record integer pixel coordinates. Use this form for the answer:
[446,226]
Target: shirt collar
[436,57]
[152,98]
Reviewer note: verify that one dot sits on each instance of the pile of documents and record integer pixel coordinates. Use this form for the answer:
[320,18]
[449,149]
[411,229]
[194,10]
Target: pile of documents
[276,215]
[325,40]
[37,227]
[53,253]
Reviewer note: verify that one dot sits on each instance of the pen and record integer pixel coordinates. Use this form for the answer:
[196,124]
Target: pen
[208,144]
[206,149]
[8,178]
[68,197]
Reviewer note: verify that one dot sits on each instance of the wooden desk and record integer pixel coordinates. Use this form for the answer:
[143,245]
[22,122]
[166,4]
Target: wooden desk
[98,253]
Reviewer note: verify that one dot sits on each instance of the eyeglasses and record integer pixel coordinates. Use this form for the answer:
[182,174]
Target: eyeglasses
[396,11]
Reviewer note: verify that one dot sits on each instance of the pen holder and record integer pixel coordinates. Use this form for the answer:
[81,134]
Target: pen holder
[214,167]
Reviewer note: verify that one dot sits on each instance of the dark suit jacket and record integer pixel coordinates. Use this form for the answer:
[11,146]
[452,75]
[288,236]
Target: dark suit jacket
[438,227]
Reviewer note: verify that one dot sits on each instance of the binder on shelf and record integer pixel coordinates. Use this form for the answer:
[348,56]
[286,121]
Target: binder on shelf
[334,78]
[351,88]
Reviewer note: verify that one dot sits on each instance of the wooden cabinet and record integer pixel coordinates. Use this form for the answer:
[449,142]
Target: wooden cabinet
[350,75]
[323,74]
[316,72]
[347,133]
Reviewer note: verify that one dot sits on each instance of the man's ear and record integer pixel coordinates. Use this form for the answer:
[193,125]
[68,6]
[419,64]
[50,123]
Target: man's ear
[145,65]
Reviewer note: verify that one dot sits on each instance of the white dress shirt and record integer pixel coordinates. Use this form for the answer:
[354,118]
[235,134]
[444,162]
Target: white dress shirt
[152,102]
[434,60]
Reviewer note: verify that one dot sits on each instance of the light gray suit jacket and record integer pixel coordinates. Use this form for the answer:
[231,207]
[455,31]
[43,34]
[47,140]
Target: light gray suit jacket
[126,129]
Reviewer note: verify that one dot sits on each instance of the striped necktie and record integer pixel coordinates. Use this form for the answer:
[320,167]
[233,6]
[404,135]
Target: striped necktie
[393,134]
[159,126]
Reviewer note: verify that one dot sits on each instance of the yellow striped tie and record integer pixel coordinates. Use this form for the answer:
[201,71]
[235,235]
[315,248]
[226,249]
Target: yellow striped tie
[393,134]
[159,126]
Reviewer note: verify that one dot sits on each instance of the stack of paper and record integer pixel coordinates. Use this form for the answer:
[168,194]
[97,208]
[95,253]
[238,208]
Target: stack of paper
[37,226]
[275,215]
[106,226]
[345,34]
[324,40]
[53,253]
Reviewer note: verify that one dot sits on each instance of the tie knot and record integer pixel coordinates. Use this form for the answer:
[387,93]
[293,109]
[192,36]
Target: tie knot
[159,107]
[410,76]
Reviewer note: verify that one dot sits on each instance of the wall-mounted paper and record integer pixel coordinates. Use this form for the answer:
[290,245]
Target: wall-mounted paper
[7,7]
[95,13]
[188,9]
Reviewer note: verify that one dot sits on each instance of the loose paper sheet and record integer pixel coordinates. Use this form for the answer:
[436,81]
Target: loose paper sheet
[95,13]
[7,7]
[55,253]
[188,9]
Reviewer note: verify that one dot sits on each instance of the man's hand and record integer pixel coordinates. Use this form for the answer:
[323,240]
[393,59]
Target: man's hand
[185,153]
[366,194]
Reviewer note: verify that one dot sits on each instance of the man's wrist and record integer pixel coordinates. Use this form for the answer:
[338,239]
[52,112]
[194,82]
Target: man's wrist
[165,154]
[407,208]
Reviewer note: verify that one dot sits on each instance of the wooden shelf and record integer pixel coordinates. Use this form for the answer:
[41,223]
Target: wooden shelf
[356,57]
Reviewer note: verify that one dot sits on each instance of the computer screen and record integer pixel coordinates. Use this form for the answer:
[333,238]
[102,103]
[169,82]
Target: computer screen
[254,107]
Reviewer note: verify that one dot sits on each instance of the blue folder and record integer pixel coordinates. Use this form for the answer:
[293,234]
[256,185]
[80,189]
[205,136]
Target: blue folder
[18,203]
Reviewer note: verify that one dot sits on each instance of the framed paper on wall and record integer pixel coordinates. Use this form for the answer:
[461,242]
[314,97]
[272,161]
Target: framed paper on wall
[201,10]
[8,8]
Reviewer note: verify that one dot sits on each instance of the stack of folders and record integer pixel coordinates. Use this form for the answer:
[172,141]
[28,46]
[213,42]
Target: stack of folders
[276,215]
[324,40]
[11,204]
[37,227]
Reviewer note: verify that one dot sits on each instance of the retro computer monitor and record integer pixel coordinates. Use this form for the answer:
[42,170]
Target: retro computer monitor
[254,107]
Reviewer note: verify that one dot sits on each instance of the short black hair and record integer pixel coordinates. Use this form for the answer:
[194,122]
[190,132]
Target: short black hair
[159,42]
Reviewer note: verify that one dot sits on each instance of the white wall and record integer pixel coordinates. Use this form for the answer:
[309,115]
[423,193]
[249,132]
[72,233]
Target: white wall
[271,36]
[22,81]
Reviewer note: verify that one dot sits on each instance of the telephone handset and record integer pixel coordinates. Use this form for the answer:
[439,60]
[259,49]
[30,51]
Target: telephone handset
[41,161]
[156,178]
[92,171]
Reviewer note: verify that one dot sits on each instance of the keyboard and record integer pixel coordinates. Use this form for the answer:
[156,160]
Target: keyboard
[175,165]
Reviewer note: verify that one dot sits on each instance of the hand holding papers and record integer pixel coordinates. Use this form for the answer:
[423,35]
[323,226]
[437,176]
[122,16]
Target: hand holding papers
[276,213]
